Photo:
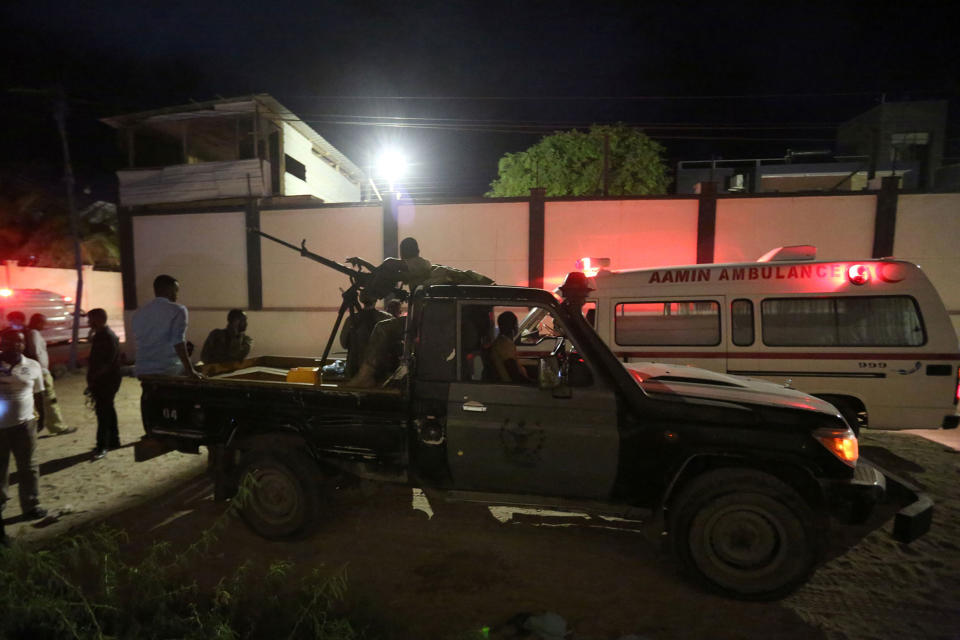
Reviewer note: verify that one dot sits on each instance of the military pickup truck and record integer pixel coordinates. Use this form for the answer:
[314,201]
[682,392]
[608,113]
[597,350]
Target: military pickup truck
[742,475]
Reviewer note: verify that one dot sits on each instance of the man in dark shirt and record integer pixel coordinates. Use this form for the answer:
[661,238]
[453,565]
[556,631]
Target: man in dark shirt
[355,335]
[103,381]
[230,344]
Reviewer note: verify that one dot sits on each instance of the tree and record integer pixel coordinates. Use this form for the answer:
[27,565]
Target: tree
[570,163]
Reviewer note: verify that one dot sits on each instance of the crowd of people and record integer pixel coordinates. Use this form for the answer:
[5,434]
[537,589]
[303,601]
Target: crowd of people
[28,400]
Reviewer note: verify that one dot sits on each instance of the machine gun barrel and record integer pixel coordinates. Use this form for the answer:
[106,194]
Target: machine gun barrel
[302,250]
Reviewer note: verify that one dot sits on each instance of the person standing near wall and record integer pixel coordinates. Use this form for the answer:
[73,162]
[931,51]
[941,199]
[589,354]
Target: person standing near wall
[103,381]
[21,387]
[36,349]
[160,331]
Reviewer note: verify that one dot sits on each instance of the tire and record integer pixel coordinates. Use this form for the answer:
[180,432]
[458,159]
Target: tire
[744,533]
[279,495]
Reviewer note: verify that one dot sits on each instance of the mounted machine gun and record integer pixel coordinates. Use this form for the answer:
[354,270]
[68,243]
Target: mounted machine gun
[380,281]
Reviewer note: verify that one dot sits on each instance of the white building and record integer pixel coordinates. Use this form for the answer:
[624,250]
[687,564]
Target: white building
[226,149]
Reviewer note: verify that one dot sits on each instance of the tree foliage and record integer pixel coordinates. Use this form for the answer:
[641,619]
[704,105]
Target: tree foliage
[35,229]
[570,163]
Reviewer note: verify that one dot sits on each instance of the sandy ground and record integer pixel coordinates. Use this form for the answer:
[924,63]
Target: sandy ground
[462,568]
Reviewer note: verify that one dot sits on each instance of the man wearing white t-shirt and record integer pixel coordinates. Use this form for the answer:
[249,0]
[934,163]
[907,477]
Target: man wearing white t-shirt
[21,386]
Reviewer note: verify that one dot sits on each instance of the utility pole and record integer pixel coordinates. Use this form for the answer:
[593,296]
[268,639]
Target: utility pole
[60,115]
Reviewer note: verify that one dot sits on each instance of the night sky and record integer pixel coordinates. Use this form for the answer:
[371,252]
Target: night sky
[471,80]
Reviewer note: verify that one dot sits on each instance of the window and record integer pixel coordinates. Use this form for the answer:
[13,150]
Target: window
[295,167]
[675,323]
[741,322]
[489,355]
[850,321]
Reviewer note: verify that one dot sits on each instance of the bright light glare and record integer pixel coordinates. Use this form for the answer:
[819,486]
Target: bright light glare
[6,293]
[391,165]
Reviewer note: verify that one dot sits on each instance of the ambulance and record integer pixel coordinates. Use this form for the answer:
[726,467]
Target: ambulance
[872,337]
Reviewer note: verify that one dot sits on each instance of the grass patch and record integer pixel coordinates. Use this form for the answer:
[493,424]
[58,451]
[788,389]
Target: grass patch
[85,587]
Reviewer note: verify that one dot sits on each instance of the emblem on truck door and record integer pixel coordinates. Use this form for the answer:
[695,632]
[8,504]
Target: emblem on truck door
[522,444]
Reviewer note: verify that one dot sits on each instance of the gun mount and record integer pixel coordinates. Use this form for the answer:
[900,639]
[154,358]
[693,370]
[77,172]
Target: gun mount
[379,281]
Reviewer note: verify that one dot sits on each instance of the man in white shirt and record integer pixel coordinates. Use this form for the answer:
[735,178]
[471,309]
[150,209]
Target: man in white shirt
[160,330]
[21,385]
[36,349]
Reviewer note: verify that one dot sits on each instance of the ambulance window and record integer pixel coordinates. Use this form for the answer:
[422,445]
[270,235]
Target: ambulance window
[674,323]
[741,322]
[847,321]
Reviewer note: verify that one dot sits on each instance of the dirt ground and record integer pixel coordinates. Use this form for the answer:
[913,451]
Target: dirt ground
[429,577]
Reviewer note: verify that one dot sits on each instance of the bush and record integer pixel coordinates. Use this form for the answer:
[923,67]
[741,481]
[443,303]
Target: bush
[84,588]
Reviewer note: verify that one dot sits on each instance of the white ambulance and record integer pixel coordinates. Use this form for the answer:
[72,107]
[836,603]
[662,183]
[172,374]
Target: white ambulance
[870,336]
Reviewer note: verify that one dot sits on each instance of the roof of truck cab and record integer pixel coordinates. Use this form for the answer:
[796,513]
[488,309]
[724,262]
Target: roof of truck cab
[487,292]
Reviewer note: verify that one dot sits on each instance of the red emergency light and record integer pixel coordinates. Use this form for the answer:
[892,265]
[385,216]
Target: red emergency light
[591,266]
[858,274]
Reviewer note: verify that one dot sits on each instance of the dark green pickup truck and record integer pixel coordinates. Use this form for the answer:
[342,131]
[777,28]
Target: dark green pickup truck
[743,475]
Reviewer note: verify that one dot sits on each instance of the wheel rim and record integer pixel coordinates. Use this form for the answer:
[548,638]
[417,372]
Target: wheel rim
[744,538]
[276,496]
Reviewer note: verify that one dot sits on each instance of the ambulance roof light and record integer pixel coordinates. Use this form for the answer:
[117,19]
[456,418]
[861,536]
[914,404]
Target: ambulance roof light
[592,266]
[792,252]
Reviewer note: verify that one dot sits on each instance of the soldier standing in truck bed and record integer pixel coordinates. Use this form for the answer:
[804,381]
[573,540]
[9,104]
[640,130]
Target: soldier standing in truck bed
[357,328]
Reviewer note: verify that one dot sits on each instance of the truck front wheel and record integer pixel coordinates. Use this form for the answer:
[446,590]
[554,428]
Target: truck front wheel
[744,533]
[278,495]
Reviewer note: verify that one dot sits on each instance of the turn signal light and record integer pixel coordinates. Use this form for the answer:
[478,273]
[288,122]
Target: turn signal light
[840,442]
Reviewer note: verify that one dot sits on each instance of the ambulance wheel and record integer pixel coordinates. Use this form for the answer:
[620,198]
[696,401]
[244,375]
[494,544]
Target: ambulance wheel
[278,494]
[744,533]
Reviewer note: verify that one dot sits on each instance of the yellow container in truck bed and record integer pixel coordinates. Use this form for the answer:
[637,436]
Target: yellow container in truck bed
[303,374]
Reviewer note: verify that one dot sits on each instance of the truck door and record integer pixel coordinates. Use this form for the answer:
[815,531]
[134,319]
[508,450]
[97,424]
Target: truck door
[516,437]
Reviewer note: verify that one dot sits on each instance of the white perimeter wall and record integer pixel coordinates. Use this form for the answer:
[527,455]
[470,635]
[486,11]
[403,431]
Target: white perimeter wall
[207,252]
[632,233]
[323,181]
[488,238]
[839,226]
[928,234]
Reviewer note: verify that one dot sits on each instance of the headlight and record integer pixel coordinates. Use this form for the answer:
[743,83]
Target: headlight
[840,442]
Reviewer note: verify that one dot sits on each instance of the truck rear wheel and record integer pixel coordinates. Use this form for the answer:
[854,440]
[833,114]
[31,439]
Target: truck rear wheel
[744,533]
[278,495]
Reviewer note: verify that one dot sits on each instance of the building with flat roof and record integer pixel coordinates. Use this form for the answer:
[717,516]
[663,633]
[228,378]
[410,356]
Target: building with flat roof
[250,146]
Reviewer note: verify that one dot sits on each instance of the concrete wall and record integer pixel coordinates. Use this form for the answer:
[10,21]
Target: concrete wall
[928,232]
[488,238]
[207,251]
[839,226]
[323,180]
[102,289]
[632,233]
